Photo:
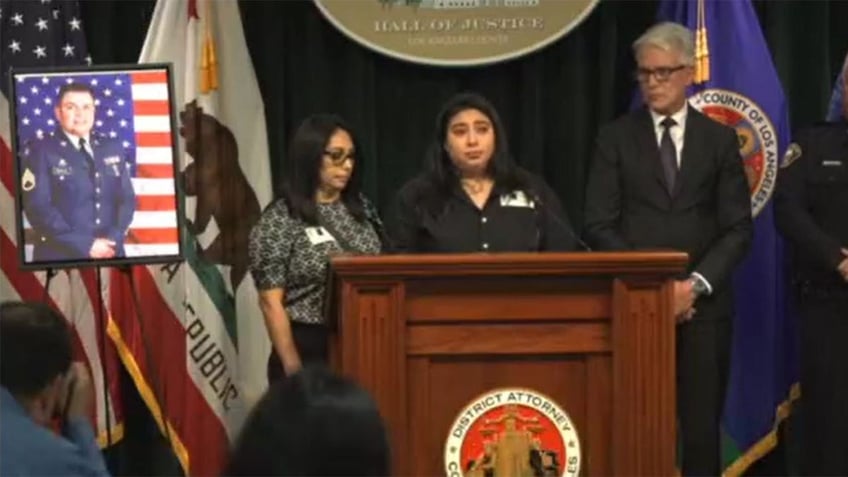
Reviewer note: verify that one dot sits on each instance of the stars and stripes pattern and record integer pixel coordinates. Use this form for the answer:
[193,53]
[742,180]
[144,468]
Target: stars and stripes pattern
[36,97]
[154,229]
[133,108]
[43,33]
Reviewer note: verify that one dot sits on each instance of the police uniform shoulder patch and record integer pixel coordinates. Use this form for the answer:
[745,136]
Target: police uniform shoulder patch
[28,180]
[793,153]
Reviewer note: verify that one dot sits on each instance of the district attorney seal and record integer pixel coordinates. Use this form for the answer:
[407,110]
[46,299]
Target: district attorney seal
[455,32]
[512,431]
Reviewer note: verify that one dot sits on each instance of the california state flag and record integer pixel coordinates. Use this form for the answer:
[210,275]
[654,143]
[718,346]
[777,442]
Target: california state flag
[198,353]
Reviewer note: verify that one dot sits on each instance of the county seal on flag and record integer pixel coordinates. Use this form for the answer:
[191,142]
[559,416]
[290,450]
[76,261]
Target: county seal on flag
[757,138]
[512,431]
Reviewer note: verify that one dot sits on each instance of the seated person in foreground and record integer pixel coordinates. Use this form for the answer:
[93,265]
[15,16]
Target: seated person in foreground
[38,387]
[309,424]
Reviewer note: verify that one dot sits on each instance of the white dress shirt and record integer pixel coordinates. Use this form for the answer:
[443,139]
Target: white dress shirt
[75,142]
[677,131]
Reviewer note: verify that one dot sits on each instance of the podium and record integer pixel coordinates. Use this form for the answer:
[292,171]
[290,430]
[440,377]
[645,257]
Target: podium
[426,335]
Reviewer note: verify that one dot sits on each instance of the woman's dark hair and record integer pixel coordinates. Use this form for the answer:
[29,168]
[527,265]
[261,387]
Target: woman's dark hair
[313,423]
[302,168]
[441,175]
[36,347]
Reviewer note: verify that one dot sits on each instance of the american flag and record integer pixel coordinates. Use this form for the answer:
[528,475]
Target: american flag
[37,95]
[50,33]
[131,107]
[41,33]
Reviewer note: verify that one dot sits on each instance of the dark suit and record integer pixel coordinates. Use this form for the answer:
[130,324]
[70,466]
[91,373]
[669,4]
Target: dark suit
[708,215]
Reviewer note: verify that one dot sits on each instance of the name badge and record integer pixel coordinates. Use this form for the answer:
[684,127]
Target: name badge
[61,171]
[517,199]
[832,163]
[318,235]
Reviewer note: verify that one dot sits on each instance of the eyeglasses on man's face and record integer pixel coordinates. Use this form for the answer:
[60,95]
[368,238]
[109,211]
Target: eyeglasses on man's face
[338,157]
[661,74]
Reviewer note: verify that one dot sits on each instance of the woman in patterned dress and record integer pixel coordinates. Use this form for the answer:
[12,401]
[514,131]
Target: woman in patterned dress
[319,213]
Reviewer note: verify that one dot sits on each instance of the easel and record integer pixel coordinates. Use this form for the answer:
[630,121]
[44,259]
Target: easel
[101,347]
[158,387]
[50,274]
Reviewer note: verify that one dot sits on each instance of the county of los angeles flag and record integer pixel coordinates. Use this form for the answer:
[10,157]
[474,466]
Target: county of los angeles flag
[200,319]
[834,110]
[737,84]
[47,34]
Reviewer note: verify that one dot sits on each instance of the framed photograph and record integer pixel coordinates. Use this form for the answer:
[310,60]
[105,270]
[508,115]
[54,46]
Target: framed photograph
[96,161]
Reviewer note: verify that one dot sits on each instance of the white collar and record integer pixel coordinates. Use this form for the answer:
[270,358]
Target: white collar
[75,139]
[679,117]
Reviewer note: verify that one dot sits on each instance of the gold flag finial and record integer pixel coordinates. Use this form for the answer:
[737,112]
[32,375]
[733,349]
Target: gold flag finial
[208,57]
[702,49]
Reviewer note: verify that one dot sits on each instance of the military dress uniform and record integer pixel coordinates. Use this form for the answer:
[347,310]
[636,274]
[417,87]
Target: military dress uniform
[811,207]
[75,193]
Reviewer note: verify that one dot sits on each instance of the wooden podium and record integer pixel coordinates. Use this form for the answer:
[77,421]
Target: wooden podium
[426,334]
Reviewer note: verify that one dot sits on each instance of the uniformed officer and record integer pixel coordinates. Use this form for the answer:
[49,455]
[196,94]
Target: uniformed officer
[811,207]
[76,187]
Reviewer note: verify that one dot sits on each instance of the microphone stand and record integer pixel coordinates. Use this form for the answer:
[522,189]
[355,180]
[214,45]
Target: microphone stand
[540,214]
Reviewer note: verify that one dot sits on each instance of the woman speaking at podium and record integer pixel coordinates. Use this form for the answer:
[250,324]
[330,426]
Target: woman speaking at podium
[321,213]
[472,197]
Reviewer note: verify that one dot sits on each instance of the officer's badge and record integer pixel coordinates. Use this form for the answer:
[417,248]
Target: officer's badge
[28,180]
[113,161]
[793,153]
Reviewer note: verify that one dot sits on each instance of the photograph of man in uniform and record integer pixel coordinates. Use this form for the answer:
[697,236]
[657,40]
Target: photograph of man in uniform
[75,185]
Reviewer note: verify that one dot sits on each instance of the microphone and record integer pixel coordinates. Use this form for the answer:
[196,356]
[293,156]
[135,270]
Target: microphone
[558,221]
[373,218]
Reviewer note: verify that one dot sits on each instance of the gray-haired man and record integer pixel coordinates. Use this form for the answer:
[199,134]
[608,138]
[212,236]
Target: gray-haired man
[667,176]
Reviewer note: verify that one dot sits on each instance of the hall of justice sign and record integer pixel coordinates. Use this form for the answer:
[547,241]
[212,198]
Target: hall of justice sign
[512,431]
[757,138]
[455,32]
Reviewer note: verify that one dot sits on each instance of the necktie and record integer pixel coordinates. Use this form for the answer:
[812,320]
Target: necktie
[85,152]
[88,158]
[668,154]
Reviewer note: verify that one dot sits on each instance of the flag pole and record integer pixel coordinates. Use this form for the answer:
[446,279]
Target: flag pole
[158,387]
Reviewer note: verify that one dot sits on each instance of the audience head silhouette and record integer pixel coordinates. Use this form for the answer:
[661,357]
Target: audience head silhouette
[35,356]
[312,423]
